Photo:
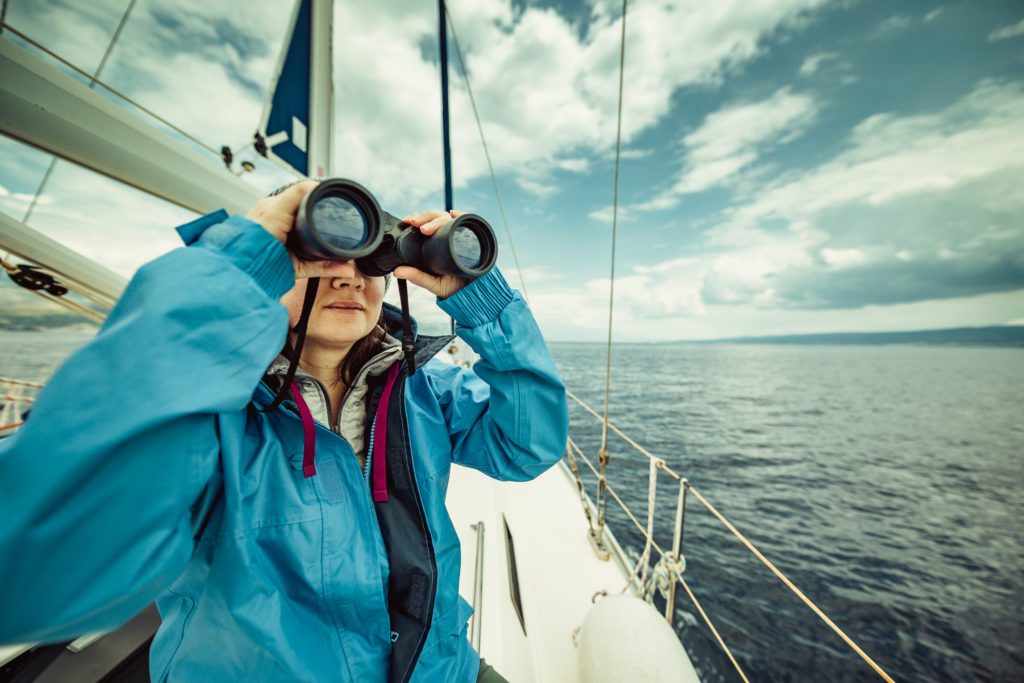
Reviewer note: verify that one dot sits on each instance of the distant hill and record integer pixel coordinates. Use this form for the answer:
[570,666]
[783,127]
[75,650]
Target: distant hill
[17,322]
[1000,335]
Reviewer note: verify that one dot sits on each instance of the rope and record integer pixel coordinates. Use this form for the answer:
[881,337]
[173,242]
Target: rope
[643,565]
[579,482]
[856,648]
[666,572]
[92,314]
[791,586]
[21,382]
[72,306]
[487,154]
[622,505]
[707,620]
[124,97]
[628,440]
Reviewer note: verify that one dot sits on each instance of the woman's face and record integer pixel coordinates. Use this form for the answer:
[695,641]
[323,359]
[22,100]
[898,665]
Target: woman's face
[346,309]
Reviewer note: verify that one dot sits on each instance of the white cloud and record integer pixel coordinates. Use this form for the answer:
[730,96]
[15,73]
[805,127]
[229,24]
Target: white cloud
[843,258]
[607,214]
[813,62]
[1010,31]
[970,154]
[893,24]
[537,118]
[890,156]
[734,137]
[931,16]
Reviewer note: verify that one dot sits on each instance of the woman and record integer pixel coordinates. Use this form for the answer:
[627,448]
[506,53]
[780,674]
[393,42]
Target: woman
[149,469]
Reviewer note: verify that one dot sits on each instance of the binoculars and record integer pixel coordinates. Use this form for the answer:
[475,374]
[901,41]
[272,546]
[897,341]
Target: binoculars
[340,220]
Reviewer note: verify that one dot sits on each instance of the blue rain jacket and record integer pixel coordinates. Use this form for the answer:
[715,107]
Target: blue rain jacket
[143,473]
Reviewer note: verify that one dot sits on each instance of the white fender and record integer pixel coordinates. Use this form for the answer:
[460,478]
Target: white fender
[625,639]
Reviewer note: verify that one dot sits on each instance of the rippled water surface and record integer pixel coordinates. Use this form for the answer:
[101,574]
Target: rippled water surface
[883,480]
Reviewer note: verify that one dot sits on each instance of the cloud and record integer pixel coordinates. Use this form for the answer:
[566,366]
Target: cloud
[922,188]
[813,62]
[536,117]
[1005,32]
[734,137]
[931,16]
[893,24]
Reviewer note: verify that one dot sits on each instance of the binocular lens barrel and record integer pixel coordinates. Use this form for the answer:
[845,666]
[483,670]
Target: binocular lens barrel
[340,220]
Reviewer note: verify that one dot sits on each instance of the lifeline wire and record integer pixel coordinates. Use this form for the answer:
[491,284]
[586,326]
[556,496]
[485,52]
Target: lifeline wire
[750,546]
[494,179]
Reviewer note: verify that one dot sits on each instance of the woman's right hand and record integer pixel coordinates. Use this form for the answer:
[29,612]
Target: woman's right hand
[277,216]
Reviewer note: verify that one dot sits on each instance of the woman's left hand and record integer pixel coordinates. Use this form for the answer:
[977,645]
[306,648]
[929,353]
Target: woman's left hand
[442,286]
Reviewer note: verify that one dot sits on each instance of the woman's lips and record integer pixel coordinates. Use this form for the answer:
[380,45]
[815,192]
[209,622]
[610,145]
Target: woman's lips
[345,306]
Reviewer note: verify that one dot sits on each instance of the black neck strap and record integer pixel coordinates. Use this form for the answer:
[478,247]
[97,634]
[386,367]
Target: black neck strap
[408,344]
[312,285]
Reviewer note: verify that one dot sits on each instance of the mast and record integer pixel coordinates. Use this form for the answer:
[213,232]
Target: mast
[321,89]
[295,129]
[445,124]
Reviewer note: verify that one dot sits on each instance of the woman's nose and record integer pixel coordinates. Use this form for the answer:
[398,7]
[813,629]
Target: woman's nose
[345,274]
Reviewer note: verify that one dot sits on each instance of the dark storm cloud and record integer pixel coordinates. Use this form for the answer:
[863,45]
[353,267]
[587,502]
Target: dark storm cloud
[178,33]
[898,282]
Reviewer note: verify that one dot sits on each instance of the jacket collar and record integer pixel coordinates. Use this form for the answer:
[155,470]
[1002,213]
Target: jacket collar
[425,346]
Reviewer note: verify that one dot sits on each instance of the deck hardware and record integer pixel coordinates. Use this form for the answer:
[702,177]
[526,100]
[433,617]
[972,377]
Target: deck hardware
[478,586]
[677,543]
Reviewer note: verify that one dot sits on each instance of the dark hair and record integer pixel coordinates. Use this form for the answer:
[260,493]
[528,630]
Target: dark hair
[361,352]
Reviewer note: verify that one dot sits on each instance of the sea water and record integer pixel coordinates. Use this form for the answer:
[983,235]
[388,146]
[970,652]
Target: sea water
[884,481]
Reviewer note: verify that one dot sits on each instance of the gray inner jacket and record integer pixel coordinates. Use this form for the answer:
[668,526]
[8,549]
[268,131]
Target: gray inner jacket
[352,414]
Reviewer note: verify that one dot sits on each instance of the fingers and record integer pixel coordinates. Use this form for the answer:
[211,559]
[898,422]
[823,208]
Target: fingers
[277,213]
[431,221]
[442,287]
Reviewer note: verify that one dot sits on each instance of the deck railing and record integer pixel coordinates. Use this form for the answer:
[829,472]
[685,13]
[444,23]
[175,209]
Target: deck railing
[670,563]
[16,397]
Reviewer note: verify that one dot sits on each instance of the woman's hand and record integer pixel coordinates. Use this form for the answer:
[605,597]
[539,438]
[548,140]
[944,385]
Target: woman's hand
[442,286]
[277,216]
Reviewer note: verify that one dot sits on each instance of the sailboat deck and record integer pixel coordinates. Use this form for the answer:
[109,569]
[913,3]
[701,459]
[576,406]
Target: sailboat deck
[549,533]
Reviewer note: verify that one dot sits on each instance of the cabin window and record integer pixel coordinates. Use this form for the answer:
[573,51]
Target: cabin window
[513,576]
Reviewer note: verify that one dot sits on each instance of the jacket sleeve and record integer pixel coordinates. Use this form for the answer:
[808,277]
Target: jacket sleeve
[97,488]
[507,417]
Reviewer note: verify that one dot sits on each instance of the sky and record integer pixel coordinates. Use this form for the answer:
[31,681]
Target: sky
[787,166]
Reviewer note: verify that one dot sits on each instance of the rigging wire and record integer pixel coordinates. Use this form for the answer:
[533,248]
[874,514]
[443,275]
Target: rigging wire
[487,154]
[92,85]
[603,456]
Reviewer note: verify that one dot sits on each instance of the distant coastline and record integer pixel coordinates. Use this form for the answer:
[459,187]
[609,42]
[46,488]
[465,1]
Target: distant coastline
[997,335]
[1007,336]
[44,322]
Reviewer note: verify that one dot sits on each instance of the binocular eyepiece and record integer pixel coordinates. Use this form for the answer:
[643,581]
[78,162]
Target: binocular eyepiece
[340,220]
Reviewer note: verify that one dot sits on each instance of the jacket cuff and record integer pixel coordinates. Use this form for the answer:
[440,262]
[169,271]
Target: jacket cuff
[247,245]
[479,302]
